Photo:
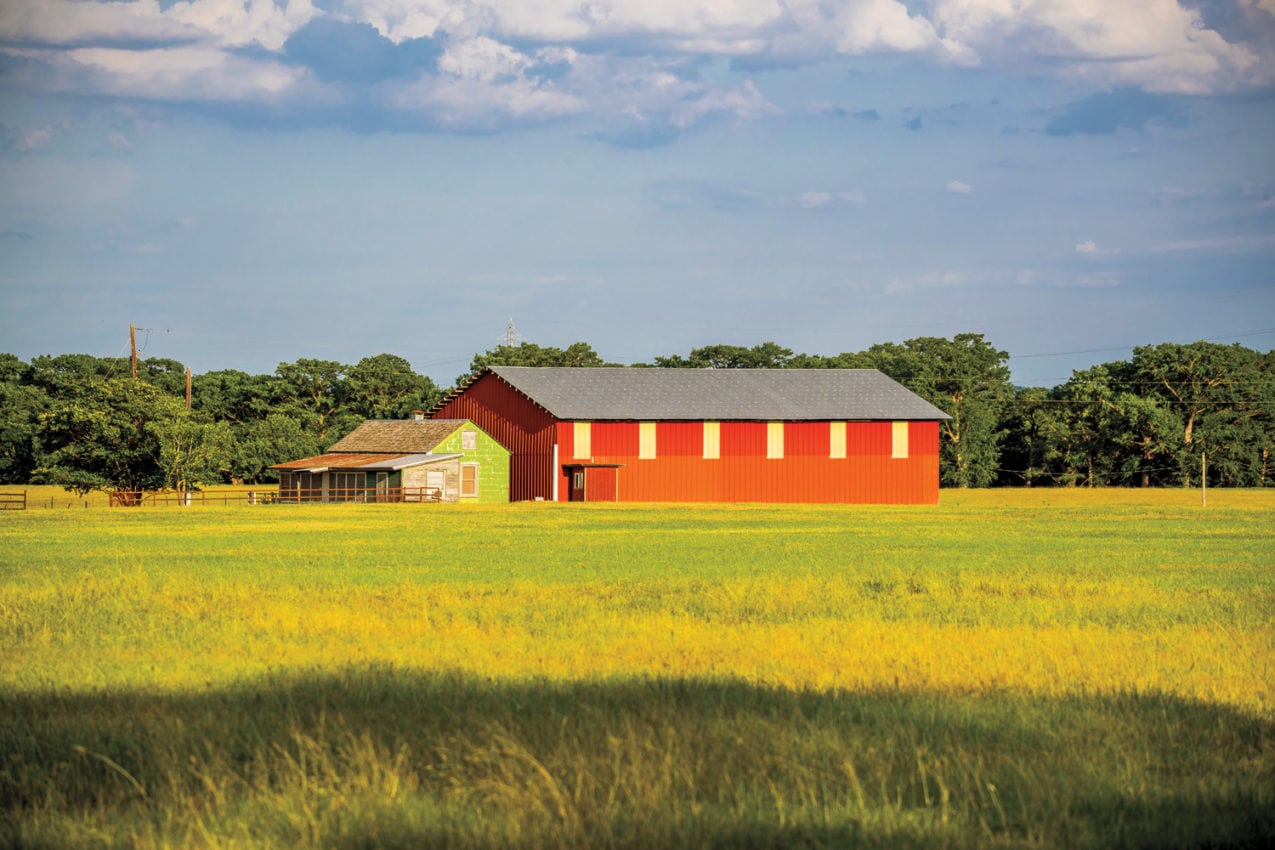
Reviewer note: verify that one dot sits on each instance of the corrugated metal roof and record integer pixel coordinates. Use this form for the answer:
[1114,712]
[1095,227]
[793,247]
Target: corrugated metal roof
[398,435]
[717,394]
[363,460]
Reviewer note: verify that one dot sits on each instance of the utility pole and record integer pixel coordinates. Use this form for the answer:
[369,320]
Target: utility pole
[1204,484]
[188,388]
[132,344]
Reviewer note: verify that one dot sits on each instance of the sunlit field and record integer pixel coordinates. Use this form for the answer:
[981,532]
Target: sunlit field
[1054,668]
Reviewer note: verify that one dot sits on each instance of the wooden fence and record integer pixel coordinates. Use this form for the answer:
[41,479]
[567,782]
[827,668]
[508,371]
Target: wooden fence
[13,501]
[258,496]
[386,495]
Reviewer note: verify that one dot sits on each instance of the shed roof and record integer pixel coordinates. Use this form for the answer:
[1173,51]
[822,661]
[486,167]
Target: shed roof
[409,436]
[369,461]
[618,393]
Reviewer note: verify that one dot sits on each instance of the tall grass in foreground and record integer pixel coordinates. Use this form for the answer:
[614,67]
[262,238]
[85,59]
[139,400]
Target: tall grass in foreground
[380,757]
[1025,670]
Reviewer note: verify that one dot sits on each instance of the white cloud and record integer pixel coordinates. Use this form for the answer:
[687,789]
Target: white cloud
[1098,280]
[823,200]
[72,22]
[1087,247]
[179,73]
[478,104]
[887,26]
[956,187]
[240,22]
[1227,244]
[224,22]
[483,59]
[483,81]
[639,62]
[33,140]
[1159,45]
[744,103]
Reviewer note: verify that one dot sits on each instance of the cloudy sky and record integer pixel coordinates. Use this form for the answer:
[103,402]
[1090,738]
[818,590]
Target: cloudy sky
[257,181]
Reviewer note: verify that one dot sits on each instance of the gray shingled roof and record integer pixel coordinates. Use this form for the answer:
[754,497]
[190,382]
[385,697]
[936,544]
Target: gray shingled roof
[717,394]
[408,436]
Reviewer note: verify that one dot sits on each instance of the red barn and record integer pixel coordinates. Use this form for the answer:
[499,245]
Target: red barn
[706,435]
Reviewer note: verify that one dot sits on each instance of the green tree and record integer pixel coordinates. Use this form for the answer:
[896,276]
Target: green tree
[1033,430]
[385,387]
[314,391]
[20,408]
[578,354]
[1147,433]
[107,437]
[229,395]
[968,379]
[261,444]
[66,375]
[1224,399]
[192,450]
[766,355]
[1089,443]
[168,375]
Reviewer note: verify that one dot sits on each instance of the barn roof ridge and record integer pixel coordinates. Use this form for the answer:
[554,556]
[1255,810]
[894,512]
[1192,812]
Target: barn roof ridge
[629,393]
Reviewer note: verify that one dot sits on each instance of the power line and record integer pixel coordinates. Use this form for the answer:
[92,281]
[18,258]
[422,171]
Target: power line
[1245,334]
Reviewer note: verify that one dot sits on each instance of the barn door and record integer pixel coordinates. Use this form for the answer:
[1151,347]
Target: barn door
[577,484]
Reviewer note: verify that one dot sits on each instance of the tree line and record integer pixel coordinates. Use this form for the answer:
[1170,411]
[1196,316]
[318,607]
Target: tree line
[83,422]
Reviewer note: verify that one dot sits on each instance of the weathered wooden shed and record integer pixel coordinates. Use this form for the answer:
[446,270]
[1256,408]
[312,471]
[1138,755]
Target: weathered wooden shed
[706,435]
[434,460]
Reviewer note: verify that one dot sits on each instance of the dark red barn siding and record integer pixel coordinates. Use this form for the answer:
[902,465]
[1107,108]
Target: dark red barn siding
[518,424]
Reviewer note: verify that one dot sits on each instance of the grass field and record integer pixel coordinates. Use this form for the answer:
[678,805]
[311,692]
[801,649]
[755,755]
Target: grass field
[1011,668]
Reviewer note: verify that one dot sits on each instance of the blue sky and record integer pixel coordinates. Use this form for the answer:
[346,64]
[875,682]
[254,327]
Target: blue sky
[257,181]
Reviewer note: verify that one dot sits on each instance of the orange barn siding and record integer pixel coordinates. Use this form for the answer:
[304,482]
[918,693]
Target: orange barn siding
[679,473]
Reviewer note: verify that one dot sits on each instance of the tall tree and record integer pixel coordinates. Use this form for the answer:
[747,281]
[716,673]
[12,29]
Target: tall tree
[766,355]
[1223,397]
[968,379]
[1089,448]
[192,450]
[65,375]
[107,437]
[579,354]
[261,444]
[20,408]
[229,395]
[385,387]
[1033,430]
[314,391]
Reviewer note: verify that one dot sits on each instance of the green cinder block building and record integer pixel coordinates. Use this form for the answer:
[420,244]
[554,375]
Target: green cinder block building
[412,460]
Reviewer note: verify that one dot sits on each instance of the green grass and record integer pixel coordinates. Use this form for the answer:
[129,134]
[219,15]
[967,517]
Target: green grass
[1015,669]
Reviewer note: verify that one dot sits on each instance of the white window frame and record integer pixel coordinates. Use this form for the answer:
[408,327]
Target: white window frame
[899,440]
[712,440]
[646,441]
[774,441]
[582,440]
[837,440]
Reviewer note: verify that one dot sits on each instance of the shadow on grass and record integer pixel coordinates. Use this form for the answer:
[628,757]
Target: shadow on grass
[387,758]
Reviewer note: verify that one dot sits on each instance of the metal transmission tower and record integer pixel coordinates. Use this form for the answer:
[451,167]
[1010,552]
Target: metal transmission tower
[511,337]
